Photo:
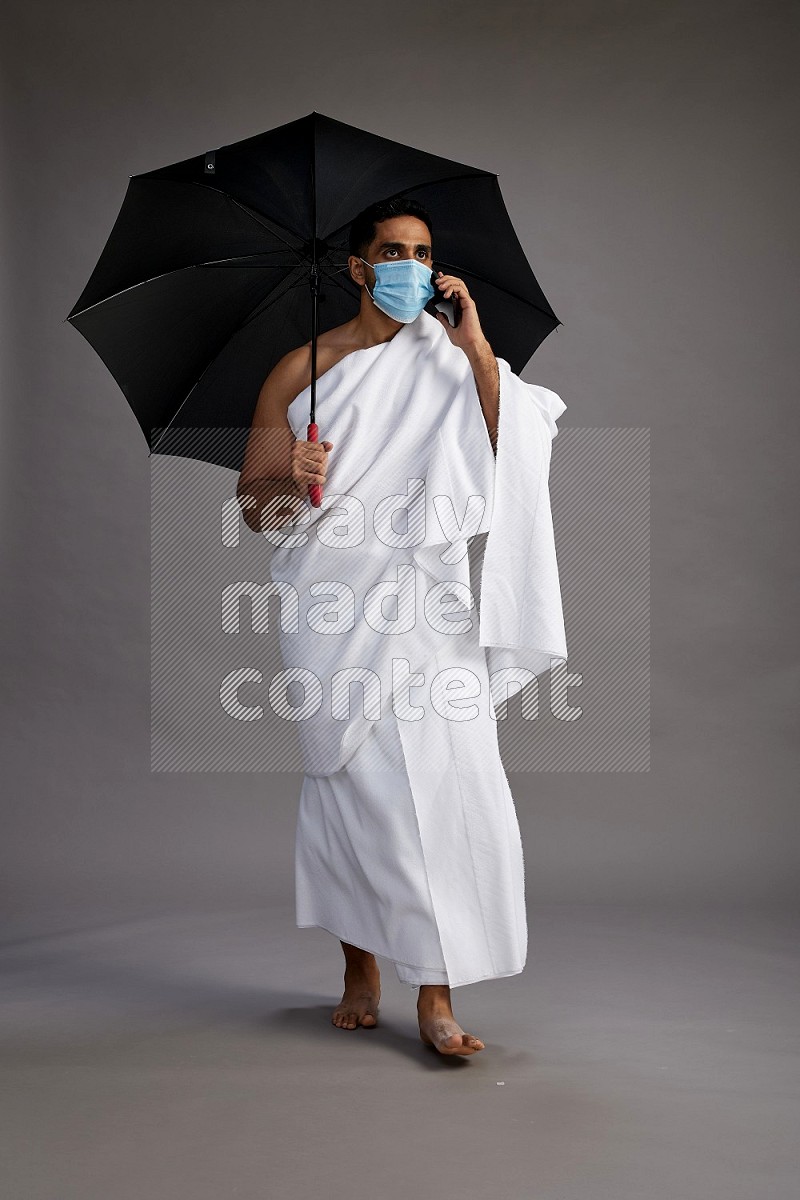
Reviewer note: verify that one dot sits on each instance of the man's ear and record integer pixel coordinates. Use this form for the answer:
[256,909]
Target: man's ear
[356,266]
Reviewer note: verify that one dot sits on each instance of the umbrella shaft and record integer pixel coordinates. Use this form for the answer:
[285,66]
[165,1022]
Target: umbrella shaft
[314,283]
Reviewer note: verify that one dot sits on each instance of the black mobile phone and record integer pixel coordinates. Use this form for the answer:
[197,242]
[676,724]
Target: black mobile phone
[450,307]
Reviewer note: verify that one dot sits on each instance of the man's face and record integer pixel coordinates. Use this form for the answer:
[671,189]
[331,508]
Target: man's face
[395,238]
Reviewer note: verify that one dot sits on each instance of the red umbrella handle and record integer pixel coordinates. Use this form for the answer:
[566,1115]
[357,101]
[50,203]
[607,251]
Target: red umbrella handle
[314,489]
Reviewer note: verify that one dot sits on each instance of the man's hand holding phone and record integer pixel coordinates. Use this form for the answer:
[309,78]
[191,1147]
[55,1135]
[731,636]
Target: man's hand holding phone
[466,332]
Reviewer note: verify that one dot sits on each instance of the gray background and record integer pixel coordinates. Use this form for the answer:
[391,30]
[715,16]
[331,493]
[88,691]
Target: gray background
[646,152]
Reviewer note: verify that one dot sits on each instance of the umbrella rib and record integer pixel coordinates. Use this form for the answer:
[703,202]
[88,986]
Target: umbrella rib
[474,275]
[273,226]
[489,283]
[215,356]
[259,308]
[252,213]
[477,174]
[339,284]
[217,261]
[263,305]
[213,262]
[450,179]
[265,301]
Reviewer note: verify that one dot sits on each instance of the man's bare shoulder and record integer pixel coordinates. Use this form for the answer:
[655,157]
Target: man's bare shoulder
[292,373]
[286,378]
[338,340]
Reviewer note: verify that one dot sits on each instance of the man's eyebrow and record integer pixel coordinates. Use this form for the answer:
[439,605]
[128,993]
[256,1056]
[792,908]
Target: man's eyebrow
[401,245]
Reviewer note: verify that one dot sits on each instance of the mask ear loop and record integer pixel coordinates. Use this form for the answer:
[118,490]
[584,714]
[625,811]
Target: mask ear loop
[366,285]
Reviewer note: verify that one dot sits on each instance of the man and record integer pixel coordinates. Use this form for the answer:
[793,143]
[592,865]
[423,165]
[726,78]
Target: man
[408,838]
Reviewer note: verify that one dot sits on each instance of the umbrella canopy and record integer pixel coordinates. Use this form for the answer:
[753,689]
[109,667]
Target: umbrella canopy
[218,265]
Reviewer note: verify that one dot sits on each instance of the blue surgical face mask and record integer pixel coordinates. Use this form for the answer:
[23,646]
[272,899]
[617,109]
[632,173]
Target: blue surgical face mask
[402,288]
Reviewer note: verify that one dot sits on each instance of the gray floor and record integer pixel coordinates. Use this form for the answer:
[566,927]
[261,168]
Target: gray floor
[648,1054]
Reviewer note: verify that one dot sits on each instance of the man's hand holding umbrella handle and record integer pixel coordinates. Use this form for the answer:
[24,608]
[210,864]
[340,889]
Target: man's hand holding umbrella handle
[310,464]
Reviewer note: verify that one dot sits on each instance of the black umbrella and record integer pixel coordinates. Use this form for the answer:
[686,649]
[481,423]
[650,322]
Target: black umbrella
[217,265]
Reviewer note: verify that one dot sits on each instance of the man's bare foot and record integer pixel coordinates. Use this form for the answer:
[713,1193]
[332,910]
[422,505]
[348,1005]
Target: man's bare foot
[437,1025]
[362,990]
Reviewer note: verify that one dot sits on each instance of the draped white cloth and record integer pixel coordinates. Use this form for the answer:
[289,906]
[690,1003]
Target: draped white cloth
[407,840]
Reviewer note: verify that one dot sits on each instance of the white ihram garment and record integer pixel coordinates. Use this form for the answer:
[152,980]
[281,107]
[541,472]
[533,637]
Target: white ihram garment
[408,843]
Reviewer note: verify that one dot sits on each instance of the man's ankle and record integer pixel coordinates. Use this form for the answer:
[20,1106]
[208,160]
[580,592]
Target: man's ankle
[434,993]
[356,957]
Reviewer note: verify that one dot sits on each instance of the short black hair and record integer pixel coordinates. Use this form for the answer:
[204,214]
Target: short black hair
[362,229]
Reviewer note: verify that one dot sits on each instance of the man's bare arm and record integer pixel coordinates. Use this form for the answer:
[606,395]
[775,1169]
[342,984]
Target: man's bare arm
[486,370]
[268,503]
[277,467]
